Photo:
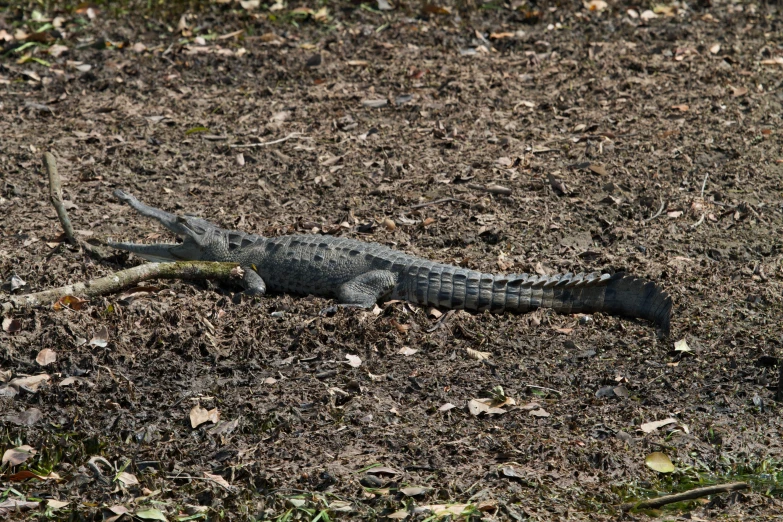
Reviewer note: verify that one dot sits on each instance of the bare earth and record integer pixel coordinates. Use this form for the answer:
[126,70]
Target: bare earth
[645,145]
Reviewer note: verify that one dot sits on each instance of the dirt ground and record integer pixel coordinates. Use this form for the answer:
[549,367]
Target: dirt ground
[628,139]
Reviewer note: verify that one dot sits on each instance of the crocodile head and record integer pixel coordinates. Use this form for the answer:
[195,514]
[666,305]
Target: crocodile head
[202,240]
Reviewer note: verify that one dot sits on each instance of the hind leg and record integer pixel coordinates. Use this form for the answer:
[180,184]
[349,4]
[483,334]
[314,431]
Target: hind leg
[366,289]
[363,291]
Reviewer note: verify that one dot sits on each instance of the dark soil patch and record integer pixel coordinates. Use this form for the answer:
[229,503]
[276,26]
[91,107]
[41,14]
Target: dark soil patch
[630,115]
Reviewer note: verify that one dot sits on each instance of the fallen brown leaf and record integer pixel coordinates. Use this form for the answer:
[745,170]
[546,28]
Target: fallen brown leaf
[46,356]
[479,356]
[199,416]
[738,92]
[650,427]
[69,301]
[353,360]
[30,383]
[11,325]
[18,455]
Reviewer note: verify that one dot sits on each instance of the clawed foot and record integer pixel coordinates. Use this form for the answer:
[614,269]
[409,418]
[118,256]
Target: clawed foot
[253,283]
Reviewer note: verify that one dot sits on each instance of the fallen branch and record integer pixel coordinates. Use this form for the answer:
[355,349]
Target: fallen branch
[193,270]
[56,196]
[655,503]
[265,143]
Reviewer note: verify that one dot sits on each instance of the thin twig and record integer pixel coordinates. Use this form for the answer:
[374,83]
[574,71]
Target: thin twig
[704,184]
[438,202]
[543,388]
[194,270]
[655,503]
[494,189]
[56,196]
[660,211]
[699,222]
[265,143]
[652,381]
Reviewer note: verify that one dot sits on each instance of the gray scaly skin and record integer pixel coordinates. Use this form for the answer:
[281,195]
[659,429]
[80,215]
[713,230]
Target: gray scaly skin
[361,274]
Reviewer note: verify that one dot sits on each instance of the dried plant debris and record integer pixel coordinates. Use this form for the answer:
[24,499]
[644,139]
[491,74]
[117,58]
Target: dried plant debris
[504,137]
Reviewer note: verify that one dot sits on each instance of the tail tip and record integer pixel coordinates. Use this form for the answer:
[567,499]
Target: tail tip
[664,316]
[643,299]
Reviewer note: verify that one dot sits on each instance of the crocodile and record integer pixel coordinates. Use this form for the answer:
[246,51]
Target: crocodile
[361,274]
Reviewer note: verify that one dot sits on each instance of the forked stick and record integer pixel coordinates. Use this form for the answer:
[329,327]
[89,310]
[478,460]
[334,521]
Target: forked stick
[56,197]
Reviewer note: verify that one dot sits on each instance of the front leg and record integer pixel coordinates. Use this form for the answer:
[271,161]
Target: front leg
[252,282]
[366,289]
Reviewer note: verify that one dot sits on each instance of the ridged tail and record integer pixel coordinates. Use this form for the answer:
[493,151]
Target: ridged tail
[618,294]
